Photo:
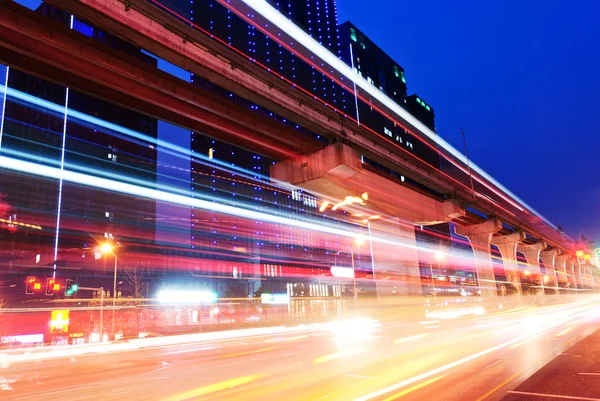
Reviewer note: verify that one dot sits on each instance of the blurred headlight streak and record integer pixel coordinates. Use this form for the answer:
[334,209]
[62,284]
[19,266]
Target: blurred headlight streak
[455,313]
[342,272]
[116,186]
[186,297]
[352,331]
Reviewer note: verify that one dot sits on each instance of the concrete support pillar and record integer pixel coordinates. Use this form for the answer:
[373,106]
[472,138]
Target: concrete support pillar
[592,279]
[400,258]
[571,267]
[585,277]
[480,237]
[508,248]
[580,275]
[560,263]
[532,253]
[548,257]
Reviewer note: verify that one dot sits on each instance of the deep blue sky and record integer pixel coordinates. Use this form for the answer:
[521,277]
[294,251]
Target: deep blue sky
[521,77]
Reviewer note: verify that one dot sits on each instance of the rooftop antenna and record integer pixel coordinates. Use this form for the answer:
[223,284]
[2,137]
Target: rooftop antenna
[468,164]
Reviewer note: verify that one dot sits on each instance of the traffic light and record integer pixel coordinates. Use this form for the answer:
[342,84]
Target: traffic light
[30,285]
[51,286]
[70,288]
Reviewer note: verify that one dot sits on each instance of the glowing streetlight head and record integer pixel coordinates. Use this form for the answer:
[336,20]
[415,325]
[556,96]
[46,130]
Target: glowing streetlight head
[546,278]
[439,256]
[587,256]
[579,254]
[106,247]
[359,240]
[527,272]
[324,206]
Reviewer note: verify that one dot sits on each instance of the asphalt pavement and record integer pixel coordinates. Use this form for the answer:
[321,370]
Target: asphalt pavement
[573,375]
[452,358]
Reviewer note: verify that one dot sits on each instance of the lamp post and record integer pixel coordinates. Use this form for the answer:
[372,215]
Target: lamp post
[358,241]
[439,257]
[107,248]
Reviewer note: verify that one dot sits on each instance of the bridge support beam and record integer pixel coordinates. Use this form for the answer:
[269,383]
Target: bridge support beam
[480,237]
[548,257]
[336,172]
[532,254]
[400,258]
[564,279]
[508,248]
[572,268]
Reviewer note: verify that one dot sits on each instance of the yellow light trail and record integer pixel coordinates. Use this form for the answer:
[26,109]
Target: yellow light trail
[338,355]
[415,388]
[411,338]
[224,385]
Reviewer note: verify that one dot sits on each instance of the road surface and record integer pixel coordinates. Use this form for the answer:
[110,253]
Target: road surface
[462,358]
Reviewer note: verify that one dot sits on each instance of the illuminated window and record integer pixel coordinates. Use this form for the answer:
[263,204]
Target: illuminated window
[353,34]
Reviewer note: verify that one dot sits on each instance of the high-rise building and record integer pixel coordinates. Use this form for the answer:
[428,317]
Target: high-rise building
[317,18]
[57,126]
[421,110]
[372,63]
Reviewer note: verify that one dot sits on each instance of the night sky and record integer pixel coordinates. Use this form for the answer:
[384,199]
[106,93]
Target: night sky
[522,79]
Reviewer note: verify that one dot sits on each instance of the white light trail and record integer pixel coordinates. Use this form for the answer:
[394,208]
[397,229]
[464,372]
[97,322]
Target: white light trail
[150,193]
[4,105]
[293,31]
[60,181]
[186,297]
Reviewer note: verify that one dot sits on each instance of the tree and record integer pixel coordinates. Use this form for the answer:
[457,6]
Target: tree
[137,281]
[138,284]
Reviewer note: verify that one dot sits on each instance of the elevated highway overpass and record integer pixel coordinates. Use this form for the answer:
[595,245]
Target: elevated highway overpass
[50,50]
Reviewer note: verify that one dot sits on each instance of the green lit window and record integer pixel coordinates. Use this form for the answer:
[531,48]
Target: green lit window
[428,108]
[353,34]
[396,71]
[403,78]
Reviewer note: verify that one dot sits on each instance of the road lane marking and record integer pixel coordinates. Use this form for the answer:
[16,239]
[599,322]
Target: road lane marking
[510,379]
[411,338]
[564,397]
[442,368]
[286,339]
[224,385]
[415,388]
[249,352]
[187,350]
[338,355]
[492,364]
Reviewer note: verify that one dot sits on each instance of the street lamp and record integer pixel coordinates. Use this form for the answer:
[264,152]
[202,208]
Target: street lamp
[107,248]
